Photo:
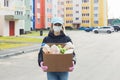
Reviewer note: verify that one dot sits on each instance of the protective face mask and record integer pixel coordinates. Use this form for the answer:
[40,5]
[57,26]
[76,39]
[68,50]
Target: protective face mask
[57,28]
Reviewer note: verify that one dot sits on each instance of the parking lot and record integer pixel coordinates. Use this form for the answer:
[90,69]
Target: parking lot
[98,58]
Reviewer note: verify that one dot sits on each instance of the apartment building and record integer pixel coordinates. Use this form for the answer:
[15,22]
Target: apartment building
[39,14]
[76,13]
[15,17]
[11,17]
[45,10]
[72,13]
[94,13]
[27,15]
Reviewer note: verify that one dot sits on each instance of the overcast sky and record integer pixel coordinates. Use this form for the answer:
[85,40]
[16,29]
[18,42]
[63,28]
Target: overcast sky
[113,9]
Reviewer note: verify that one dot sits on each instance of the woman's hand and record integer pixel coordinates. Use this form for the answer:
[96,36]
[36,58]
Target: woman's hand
[44,68]
[72,67]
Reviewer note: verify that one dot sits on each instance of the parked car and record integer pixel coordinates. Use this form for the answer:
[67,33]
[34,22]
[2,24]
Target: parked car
[88,29]
[104,29]
[81,28]
[116,28]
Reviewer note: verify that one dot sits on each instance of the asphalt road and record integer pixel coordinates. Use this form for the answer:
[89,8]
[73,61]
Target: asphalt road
[98,58]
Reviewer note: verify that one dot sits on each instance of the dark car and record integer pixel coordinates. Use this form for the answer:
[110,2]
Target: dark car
[88,29]
[116,28]
[81,28]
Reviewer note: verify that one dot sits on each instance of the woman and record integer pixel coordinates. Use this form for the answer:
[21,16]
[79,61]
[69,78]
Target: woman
[56,35]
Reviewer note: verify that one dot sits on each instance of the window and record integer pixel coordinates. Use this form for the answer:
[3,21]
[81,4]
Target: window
[96,22]
[95,1]
[95,8]
[6,3]
[77,11]
[85,1]
[95,15]
[85,8]
[38,10]
[38,1]
[38,20]
[49,19]
[77,5]
[18,12]
[76,18]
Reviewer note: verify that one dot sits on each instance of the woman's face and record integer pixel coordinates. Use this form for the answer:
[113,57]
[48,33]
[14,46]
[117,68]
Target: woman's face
[57,28]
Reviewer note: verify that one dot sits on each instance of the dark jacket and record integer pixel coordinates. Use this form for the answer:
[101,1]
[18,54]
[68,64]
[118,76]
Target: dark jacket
[51,38]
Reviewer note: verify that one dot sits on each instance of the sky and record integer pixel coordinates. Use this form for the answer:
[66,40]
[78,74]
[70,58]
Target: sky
[113,9]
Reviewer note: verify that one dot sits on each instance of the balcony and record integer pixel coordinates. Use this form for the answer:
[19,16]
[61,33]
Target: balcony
[14,17]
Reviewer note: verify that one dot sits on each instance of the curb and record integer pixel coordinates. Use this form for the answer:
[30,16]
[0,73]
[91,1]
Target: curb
[17,53]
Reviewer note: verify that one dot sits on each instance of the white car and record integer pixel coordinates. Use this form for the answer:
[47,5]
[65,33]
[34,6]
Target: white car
[104,29]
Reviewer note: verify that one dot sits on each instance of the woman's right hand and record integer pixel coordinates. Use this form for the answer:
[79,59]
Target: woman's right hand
[44,68]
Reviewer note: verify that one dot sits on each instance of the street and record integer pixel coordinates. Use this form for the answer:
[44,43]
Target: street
[98,58]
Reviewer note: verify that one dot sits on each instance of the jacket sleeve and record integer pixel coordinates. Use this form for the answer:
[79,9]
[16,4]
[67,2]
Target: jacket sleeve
[74,55]
[40,54]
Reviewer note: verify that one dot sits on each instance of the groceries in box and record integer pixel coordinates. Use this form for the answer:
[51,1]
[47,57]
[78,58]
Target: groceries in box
[58,48]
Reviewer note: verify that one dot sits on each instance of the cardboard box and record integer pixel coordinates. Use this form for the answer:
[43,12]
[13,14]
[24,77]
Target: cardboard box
[57,62]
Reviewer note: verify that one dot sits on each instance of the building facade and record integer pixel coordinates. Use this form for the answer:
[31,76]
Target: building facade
[45,10]
[39,14]
[15,17]
[72,13]
[94,13]
[11,17]
[76,13]
[27,15]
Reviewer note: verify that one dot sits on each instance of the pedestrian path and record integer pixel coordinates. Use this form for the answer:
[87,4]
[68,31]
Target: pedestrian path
[20,50]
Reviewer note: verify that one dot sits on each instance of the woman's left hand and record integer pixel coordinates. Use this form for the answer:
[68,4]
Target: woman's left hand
[72,67]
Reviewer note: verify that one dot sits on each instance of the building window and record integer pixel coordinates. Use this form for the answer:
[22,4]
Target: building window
[85,8]
[77,11]
[95,15]
[38,20]
[69,21]
[95,1]
[18,12]
[6,3]
[49,1]
[68,2]
[96,22]
[76,18]
[49,19]
[85,21]
[95,8]
[38,10]
[77,5]
[38,1]
[85,1]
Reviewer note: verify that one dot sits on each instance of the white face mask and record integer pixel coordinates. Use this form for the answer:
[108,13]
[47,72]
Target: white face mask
[57,28]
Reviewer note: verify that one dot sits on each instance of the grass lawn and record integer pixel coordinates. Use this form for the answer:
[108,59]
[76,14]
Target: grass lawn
[13,42]
[37,33]
[20,39]
[11,45]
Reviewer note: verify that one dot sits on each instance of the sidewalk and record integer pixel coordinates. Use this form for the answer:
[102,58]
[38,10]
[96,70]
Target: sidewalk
[21,50]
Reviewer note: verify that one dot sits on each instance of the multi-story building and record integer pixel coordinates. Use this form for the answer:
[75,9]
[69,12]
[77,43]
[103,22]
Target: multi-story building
[11,17]
[39,14]
[68,15]
[27,15]
[94,13]
[48,13]
[72,13]
[14,17]
[45,10]
[76,13]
